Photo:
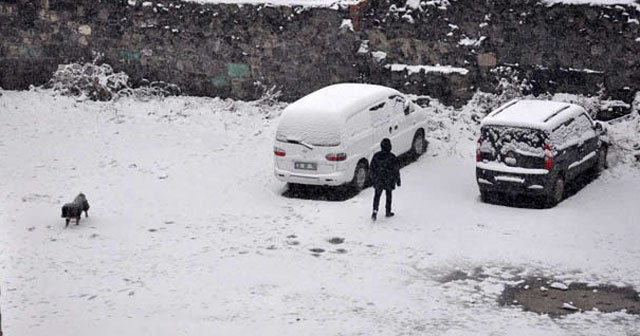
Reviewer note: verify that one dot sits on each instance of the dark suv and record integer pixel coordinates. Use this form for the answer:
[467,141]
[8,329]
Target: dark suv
[535,147]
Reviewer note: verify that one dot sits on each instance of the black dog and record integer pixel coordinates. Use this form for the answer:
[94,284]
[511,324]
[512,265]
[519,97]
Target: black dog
[75,209]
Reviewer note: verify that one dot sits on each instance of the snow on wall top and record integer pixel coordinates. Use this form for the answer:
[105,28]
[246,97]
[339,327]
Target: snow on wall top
[305,3]
[319,117]
[540,114]
[427,68]
[442,4]
[591,2]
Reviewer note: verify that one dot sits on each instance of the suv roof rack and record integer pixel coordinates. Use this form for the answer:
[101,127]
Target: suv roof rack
[556,113]
[504,107]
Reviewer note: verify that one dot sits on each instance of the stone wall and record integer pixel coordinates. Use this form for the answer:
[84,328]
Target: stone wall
[224,50]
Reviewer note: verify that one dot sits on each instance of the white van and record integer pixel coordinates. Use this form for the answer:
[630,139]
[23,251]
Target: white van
[329,136]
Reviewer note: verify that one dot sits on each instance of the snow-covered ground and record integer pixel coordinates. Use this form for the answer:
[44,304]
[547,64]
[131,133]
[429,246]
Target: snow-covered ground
[189,233]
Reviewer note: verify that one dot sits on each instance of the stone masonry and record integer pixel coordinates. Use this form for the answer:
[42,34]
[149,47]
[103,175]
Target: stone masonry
[225,50]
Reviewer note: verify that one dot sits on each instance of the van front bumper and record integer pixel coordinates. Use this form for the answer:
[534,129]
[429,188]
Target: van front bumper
[332,179]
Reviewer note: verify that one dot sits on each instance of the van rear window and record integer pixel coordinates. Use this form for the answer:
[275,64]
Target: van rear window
[316,130]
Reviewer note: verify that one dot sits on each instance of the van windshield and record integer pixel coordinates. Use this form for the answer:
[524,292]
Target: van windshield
[309,129]
[513,146]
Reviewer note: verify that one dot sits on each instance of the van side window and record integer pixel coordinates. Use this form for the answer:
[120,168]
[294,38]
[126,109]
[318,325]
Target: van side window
[397,104]
[379,114]
[377,107]
[358,123]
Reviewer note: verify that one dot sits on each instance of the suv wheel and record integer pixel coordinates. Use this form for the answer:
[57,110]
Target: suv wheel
[556,194]
[602,163]
[418,144]
[484,197]
[360,176]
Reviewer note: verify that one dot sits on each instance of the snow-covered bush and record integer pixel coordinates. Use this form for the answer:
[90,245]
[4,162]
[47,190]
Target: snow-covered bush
[508,86]
[92,81]
[100,82]
[269,99]
[148,90]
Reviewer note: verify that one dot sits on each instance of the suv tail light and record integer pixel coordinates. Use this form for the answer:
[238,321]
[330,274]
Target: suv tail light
[336,156]
[478,155]
[548,157]
[279,151]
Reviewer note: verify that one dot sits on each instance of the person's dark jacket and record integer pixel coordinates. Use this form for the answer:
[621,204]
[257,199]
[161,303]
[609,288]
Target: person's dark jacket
[385,168]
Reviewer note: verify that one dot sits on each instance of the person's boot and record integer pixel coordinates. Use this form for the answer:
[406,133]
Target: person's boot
[374,215]
[390,214]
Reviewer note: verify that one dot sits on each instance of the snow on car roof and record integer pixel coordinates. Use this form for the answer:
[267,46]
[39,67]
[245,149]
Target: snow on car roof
[340,100]
[320,117]
[541,114]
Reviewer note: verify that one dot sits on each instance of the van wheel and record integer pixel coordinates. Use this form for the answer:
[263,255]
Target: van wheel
[556,194]
[360,177]
[602,163]
[418,145]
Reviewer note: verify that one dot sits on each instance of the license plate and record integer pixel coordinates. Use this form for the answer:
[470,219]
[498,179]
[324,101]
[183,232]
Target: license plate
[305,165]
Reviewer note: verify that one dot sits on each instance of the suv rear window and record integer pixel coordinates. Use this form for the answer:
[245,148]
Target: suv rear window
[513,146]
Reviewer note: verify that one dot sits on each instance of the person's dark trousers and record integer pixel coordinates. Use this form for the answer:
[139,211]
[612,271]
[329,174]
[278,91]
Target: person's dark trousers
[376,199]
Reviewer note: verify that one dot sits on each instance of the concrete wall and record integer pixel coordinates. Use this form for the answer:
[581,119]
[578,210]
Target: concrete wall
[222,50]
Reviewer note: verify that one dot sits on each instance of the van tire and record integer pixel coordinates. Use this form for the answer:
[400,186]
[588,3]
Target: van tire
[360,177]
[418,145]
[556,194]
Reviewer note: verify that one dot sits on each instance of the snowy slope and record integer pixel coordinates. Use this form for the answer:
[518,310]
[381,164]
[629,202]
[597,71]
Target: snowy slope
[189,233]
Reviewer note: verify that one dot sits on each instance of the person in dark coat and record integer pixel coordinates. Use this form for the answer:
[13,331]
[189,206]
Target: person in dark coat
[385,175]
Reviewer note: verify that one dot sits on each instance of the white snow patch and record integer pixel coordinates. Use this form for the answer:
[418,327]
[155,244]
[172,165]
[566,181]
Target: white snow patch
[559,285]
[591,2]
[379,56]
[306,3]
[407,17]
[346,23]
[472,42]
[412,69]
[364,47]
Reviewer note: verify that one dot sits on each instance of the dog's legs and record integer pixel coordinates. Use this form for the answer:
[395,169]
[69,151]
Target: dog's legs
[78,220]
[66,222]
[86,213]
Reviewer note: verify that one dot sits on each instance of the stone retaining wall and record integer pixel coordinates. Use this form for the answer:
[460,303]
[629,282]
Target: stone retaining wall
[224,50]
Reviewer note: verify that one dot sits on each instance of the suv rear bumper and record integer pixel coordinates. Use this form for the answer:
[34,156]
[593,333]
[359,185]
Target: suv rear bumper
[490,181]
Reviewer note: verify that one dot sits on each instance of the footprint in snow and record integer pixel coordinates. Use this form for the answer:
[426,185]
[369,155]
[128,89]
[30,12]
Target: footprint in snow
[336,240]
